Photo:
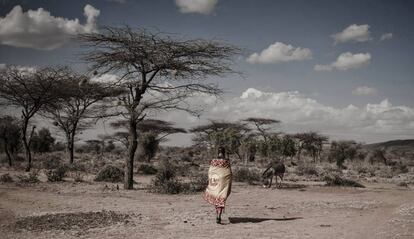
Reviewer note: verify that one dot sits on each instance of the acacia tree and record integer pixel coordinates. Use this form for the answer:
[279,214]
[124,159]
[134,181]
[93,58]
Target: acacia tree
[76,105]
[157,71]
[221,133]
[28,90]
[311,142]
[262,125]
[342,150]
[10,136]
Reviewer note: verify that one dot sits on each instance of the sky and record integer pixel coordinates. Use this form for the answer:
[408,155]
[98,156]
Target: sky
[341,68]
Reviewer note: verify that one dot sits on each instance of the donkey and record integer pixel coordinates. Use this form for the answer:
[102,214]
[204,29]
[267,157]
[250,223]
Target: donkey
[273,169]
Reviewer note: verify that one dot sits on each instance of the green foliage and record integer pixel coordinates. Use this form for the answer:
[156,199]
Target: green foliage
[110,174]
[42,141]
[149,144]
[311,142]
[249,147]
[342,150]
[10,136]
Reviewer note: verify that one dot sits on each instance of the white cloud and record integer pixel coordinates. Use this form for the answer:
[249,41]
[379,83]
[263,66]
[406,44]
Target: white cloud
[105,78]
[346,61]
[196,6]
[364,90]
[279,52]
[353,33]
[372,122]
[38,29]
[386,36]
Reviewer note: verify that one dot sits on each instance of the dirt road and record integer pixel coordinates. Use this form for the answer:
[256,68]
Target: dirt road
[378,211]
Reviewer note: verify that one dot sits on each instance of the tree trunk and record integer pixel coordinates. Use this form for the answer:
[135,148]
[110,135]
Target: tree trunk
[26,144]
[6,150]
[70,147]
[129,163]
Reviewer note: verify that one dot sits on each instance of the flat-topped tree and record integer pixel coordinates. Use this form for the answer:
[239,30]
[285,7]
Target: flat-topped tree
[312,142]
[262,125]
[28,90]
[221,133]
[77,105]
[158,72]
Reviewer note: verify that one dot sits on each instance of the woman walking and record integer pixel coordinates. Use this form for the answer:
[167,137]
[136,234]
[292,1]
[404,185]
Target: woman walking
[219,183]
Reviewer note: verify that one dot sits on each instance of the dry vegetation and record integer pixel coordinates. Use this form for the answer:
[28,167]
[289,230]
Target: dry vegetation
[91,200]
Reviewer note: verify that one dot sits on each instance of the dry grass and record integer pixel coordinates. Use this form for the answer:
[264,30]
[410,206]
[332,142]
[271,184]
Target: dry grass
[70,221]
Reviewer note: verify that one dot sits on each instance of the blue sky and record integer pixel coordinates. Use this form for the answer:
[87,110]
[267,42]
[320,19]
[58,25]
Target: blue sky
[364,48]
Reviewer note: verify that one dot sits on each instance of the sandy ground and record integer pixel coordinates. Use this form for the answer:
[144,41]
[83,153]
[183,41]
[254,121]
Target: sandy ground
[378,211]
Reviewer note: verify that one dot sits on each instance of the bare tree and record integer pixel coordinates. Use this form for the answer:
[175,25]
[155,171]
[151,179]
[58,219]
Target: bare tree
[157,71]
[28,90]
[76,105]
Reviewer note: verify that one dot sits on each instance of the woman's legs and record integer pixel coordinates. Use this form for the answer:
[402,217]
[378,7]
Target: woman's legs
[219,211]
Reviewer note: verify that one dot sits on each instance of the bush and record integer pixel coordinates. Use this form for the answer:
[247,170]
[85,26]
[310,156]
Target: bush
[400,168]
[165,180]
[197,183]
[78,177]
[51,162]
[57,175]
[31,178]
[147,169]
[110,174]
[306,169]
[246,175]
[335,180]
[6,178]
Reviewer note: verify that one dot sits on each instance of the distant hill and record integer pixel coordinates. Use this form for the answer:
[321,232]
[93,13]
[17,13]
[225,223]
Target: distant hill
[406,143]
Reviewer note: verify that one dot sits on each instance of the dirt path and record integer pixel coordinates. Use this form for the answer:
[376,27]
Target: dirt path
[378,211]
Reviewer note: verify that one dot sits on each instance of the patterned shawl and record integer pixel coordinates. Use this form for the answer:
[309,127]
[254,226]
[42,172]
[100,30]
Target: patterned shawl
[219,182]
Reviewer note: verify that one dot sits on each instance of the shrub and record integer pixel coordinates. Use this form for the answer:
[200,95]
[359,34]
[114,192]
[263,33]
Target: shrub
[78,177]
[165,180]
[147,169]
[6,178]
[110,174]
[51,163]
[336,180]
[306,169]
[246,175]
[400,168]
[57,174]
[197,183]
[31,178]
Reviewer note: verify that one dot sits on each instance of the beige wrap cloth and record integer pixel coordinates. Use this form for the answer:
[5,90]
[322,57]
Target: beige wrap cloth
[219,182]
